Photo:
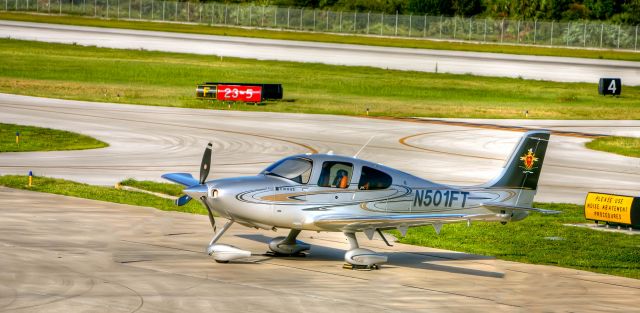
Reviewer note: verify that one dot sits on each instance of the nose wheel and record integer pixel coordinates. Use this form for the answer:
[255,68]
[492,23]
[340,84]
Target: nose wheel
[222,253]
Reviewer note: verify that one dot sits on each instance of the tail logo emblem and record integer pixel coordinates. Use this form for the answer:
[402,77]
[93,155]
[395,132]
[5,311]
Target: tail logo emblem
[529,160]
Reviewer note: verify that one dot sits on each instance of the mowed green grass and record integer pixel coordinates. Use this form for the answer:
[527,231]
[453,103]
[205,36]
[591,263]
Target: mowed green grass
[169,79]
[102,193]
[528,241]
[620,145]
[535,240]
[164,188]
[322,37]
[43,139]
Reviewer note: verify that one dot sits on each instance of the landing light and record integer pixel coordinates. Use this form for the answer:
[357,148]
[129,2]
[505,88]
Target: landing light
[213,193]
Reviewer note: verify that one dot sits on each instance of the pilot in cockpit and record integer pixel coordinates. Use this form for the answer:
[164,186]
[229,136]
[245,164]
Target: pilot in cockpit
[341,180]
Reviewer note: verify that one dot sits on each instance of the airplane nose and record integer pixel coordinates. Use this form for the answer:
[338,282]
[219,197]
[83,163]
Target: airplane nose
[197,191]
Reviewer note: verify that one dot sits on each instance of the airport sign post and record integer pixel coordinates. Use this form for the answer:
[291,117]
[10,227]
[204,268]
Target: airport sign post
[242,92]
[610,86]
[614,209]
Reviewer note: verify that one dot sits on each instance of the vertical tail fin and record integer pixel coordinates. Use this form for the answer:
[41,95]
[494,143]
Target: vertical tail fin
[522,170]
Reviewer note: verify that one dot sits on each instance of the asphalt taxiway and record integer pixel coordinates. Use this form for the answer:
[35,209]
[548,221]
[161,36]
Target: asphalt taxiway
[63,254]
[146,142]
[456,62]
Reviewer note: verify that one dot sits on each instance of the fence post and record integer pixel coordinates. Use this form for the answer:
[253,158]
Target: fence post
[601,32]
[355,21]
[175,18]
[250,9]
[584,36]
[455,27]
[152,11]
[501,30]
[552,33]
[440,26]
[535,31]
[95,7]
[424,30]
[618,36]
[6,5]
[225,14]
[485,30]
[410,15]
[238,15]
[301,16]
[381,23]
[60,7]
[568,31]
[262,18]
[140,9]
[327,25]
[518,33]
[118,11]
[470,25]
[635,44]
[288,15]
[314,20]
[107,7]
[163,5]
[340,21]
[368,17]
[275,17]
[188,10]
[396,23]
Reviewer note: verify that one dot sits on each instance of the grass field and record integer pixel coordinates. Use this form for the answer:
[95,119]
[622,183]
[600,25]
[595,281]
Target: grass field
[525,241]
[620,145]
[169,79]
[43,139]
[535,240]
[102,193]
[321,37]
[164,188]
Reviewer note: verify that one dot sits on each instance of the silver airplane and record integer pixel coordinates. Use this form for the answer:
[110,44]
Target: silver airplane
[326,192]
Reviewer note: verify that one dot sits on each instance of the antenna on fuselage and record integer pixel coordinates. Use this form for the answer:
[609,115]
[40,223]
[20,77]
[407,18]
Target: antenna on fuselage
[365,145]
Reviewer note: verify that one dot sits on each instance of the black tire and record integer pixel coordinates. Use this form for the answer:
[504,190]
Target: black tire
[220,261]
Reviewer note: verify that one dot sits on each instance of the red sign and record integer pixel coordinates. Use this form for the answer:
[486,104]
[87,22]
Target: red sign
[239,93]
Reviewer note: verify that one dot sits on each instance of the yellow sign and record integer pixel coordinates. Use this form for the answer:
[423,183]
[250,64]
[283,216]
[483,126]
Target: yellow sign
[608,208]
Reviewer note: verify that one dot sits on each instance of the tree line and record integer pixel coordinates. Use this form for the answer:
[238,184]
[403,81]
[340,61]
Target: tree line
[616,11]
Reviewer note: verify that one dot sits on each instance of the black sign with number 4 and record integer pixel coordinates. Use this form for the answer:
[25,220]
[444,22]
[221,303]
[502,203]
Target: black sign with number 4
[610,86]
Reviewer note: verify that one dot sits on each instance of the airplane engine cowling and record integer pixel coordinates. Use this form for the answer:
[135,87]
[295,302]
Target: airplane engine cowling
[279,245]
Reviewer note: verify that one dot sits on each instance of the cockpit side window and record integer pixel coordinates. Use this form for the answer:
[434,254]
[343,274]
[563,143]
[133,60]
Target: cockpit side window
[373,179]
[335,174]
[295,169]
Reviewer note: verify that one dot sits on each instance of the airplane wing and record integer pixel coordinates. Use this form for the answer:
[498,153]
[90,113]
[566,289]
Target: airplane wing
[502,207]
[361,223]
[367,222]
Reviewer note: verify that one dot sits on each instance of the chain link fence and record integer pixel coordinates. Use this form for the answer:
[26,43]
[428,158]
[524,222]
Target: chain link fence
[585,34]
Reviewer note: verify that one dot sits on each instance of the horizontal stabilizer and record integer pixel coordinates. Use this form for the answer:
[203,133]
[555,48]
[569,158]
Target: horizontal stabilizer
[502,207]
[184,179]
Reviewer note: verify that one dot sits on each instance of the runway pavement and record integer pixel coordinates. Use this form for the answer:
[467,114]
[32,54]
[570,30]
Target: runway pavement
[63,254]
[146,142]
[456,62]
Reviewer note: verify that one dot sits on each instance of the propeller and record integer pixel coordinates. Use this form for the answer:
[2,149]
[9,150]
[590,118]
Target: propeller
[205,166]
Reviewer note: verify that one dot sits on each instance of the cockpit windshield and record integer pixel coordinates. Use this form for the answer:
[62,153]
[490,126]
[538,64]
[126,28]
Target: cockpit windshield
[296,169]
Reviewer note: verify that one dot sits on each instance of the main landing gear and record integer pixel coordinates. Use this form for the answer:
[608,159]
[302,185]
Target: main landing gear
[360,258]
[288,246]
